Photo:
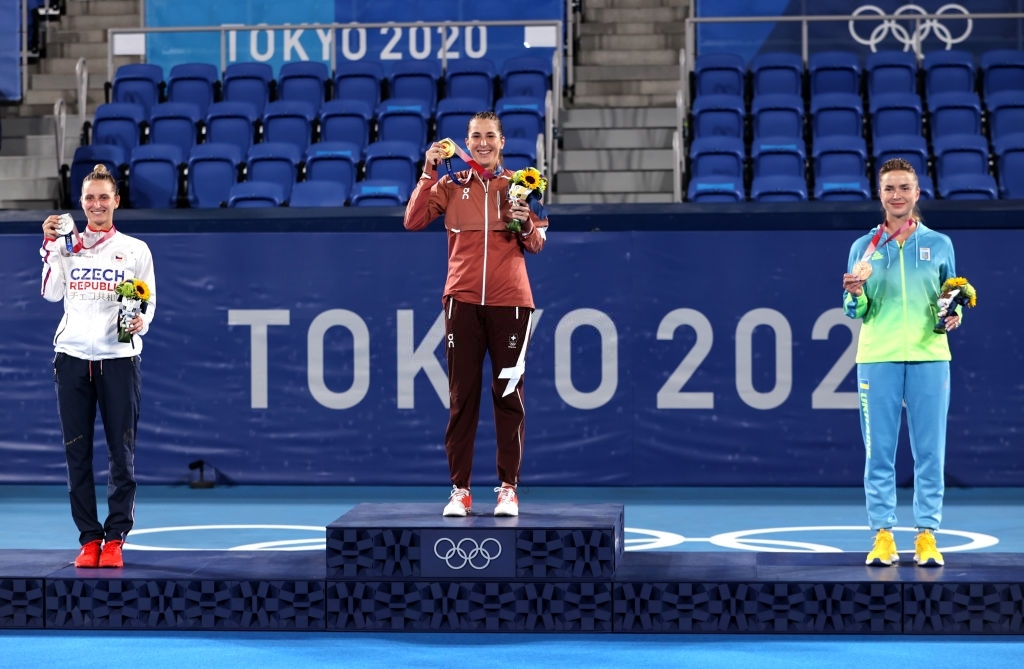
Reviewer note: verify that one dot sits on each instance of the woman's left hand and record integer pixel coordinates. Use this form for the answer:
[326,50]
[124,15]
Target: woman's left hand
[952,322]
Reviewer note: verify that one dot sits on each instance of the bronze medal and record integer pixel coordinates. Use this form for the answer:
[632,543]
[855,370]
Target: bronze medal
[862,270]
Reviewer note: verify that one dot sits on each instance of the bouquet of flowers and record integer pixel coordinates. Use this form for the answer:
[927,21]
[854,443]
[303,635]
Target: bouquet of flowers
[954,292]
[526,183]
[133,295]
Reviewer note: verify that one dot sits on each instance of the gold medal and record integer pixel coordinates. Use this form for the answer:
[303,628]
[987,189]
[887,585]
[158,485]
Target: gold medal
[862,270]
[447,147]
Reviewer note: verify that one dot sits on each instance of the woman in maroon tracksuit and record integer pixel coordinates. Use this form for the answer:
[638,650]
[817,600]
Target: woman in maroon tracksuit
[487,301]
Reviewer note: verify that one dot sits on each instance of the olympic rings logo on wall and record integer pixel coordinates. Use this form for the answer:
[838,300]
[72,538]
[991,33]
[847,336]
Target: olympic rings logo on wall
[467,552]
[911,39]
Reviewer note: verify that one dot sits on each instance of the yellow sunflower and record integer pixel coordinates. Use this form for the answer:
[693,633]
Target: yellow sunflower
[141,290]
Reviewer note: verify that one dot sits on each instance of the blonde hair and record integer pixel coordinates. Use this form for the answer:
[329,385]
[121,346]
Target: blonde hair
[100,173]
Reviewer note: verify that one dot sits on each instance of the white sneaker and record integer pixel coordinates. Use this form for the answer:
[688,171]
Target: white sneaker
[508,502]
[460,503]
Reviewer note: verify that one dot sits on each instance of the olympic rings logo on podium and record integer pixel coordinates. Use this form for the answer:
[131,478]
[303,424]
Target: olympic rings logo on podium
[467,552]
[912,39]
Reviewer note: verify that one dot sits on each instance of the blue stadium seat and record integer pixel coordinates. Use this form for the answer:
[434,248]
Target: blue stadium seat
[251,194]
[197,83]
[346,121]
[718,157]
[889,72]
[842,189]
[274,161]
[471,78]
[212,169]
[837,157]
[248,82]
[232,123]
[1002,70]
[715,189]
[118,123]
[452,117]
[175,123]
[403,119]
[913,149]
[968,187]
[895,114]
[953,114]
[777,73]
[290,121]
[303,81]
[1005,113]
[837,114]
[718,115]
[416,80]
[1009,151]
[518,153]
[138,83]
[833,72]
[379,193]
[521,116]
[318,194]
[777,115]
[112,156]
[778,188]
[949,72]
[154,176]
[397,161]
[359,80]
[526,76]
[335,162]
[960,154]
[719,74]
[779,156]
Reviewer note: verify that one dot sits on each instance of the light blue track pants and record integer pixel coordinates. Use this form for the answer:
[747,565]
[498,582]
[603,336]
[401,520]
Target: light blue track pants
[883,388]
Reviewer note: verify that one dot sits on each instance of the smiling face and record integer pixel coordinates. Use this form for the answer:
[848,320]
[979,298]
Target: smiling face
[99,202]
[899,192]
[485,141]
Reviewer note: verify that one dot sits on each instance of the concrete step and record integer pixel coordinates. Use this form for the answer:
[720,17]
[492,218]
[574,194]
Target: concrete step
[583,160]
[60,82]
[612,58]
[623,15]
[630,4]
[44,190]
[626,73]
[95,65]
[65,36]
[601,101]
[93,21]
[628,87]
[27,167]
[117,8]
[617,138]
[637,117]
[44,146]
[45,98]
[653,181]
[631,27]
[613,198]
[591,43]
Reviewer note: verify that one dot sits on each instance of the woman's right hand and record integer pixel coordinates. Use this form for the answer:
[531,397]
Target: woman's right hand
[51,225]
[853,284]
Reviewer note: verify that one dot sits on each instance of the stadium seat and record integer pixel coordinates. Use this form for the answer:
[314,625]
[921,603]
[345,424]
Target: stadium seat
[968,187]
[715,115]
[212,169]
[960,154]
[417,80]
[379,193]
[719,74]
[1002,70]
[346,121]
[518,153]
[837,157]
[895,114]
[837,114]
[1009,151]
[175,123]
[948,72]
[718,157]
[232,123]
[1005,113]
[472,79]
[526,76]
[953,114]
[890,72]
[715,189]
[154,176]
[197,83]
[849,189]
[318,194]
[303,81]
[777,73]
[778,188]
[452,117]
[833,72]
[397,161]
[779,156]
[404,120]
[521,116]
[119,123]
[335,162]
[274,161]
[248,82]
[138,83]
[290,121]
[359,80]
[112,156]
[777,115]
[252,194]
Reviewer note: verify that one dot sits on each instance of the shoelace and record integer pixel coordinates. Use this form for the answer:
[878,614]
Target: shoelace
[505,495]
[458,495]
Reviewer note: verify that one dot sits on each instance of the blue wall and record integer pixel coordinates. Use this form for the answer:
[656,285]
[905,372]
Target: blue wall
[697,346]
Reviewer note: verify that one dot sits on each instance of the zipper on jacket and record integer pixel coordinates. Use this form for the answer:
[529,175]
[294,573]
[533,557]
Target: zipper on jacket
[487,234]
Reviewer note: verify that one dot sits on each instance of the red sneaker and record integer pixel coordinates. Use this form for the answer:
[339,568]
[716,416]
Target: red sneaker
[89,557]
[111,556]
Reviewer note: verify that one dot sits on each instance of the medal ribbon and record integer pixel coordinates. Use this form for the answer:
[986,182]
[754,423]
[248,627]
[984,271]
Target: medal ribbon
[874,245]
[80,243]
[453,149]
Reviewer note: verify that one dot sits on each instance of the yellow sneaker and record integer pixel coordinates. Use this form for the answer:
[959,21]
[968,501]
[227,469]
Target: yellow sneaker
[884,553]
[925,552]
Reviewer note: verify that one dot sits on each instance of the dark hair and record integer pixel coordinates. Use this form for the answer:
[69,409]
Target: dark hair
[486,116]
[899,165]
[100,173]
